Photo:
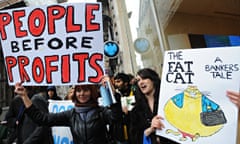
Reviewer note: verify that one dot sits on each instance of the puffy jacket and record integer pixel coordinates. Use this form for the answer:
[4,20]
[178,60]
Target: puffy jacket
[91,131]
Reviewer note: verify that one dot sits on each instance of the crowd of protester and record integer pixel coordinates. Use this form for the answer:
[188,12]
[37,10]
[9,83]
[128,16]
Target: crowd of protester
[28,120]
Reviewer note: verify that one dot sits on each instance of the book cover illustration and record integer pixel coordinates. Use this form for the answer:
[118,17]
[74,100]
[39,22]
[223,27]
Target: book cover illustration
[203,116]
[193,97]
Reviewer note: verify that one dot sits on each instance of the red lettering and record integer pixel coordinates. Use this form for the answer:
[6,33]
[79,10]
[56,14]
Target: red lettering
[90,26]
[22,62]
[36,22]
[93,63]
[10,63]
[70,26]
[42,69]
[18,23]
[80,58]
[65,68]
[49,68]
[38,70]
[54,13]
[5,19]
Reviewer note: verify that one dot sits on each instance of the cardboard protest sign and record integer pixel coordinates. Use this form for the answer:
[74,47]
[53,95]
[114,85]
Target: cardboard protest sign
[54,44]
[61,134]
[193,97]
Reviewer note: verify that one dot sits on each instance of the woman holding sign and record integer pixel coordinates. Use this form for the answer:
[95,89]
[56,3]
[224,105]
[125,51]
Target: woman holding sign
[86,120]
[143,118]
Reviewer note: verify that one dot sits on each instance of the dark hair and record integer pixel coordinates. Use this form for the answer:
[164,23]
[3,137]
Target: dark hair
[131,76]
[147,73]
[94,94]
[124,77]
[51,88]
[151,74]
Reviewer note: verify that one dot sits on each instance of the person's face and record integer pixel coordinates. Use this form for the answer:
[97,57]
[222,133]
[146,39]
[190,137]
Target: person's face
[119,84]
[50,93]
[83,95]
[146,85]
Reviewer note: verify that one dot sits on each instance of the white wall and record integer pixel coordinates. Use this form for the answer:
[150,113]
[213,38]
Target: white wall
[179,41]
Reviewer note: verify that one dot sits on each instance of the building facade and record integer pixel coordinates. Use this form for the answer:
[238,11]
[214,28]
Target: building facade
[119,31]
[116,28]
[165,24]
[184,24]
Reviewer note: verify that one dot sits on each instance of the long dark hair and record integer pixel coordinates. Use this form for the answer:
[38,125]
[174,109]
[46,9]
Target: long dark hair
[147,73]
[94,95]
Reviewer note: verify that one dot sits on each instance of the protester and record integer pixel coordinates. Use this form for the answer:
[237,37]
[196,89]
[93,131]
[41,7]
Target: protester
[143,118]
[14,118]
[21,128]
[52,93]
[31,133]
[119,131]
[70,93]
[122,84]
[86,120]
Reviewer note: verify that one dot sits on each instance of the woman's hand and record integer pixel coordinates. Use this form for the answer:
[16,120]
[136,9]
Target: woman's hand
[106,79]
[155,124]
[234,97]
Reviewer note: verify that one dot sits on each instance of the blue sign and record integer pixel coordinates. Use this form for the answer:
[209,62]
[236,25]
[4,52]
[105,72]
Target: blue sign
[111,49]
[141,45]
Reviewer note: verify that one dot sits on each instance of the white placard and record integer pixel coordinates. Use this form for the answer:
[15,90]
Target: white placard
[61,135]
[193,92]
[59,44]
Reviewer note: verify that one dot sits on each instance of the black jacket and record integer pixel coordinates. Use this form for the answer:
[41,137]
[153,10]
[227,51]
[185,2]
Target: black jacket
[140,119]
[27,132]
[15,113]
[30,132]
[91,131]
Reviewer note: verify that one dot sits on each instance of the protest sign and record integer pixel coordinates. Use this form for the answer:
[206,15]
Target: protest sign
[193,97]
[128,102]
[53,45]
[107,97]
[61,134]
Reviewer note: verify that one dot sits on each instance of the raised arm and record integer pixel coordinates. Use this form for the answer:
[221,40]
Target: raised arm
[106,79]
[22,92]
